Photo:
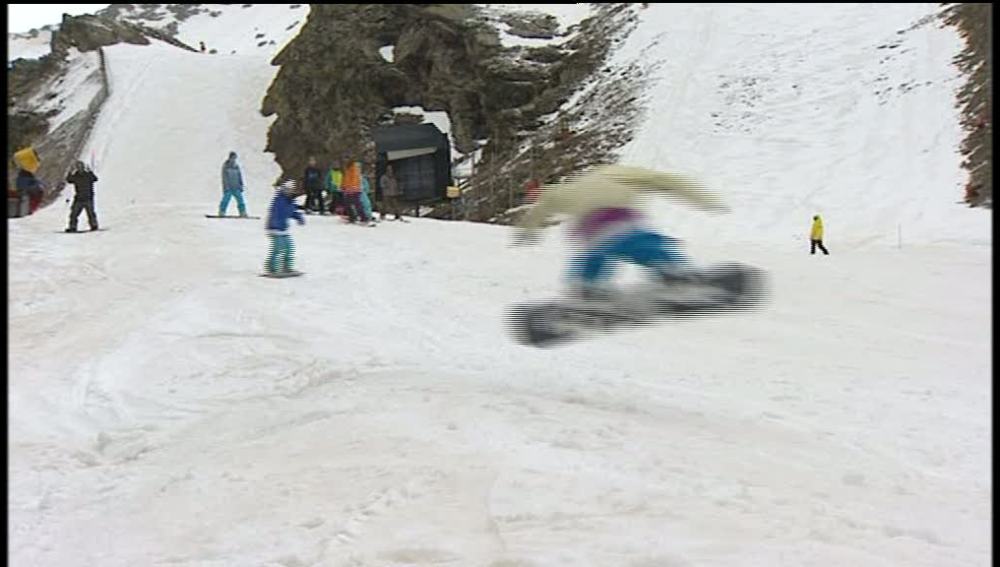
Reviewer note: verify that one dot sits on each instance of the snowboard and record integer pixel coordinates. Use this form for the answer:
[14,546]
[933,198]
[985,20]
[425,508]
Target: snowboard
[82,231]
[230,217]
[280,275]
[716,290]
[370,224]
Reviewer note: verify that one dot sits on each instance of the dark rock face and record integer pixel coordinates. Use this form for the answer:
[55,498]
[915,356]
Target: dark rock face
[975,97]
[531,26]
[89,32]
[23,127]
[334,86]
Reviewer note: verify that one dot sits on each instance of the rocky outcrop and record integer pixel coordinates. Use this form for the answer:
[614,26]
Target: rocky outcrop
[531,26]
[334,87]
[89,32]
[556,138]
[975,97]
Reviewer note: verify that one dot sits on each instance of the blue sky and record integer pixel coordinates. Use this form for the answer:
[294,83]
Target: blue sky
[23,17]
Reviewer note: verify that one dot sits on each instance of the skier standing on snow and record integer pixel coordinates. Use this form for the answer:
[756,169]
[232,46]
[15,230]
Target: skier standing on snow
[313,180]
[83,181]
[333,181]
[232,186]
[390,193]
[351,186]
[366,202]
[283,207]
[29,185]
[816,236]
[608,225]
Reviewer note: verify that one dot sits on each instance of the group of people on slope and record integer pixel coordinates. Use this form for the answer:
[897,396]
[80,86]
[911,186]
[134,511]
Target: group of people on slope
[343,189]
[28,186]
[349,188]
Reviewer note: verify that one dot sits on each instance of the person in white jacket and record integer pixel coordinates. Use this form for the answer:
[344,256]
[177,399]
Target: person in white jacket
[603,206]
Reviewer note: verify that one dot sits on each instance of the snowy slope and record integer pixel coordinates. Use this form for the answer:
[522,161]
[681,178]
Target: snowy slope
[24,46]
[170,125]
[790,114]
[169,407]
[246,29]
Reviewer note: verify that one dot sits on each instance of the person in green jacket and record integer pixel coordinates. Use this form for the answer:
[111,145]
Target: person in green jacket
[332,183]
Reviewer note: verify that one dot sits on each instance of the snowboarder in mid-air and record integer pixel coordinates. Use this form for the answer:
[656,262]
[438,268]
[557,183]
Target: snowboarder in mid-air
[608,225]
[603,207]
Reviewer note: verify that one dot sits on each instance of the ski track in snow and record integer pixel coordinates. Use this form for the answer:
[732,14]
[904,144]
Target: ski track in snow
[170,408]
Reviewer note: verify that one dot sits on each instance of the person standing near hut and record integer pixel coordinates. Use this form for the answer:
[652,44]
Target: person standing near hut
[390,193]
[351,187]
[334,180]
[313,181]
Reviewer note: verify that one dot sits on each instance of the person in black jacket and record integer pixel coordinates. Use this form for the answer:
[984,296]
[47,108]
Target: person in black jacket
[83,180]
[313,181]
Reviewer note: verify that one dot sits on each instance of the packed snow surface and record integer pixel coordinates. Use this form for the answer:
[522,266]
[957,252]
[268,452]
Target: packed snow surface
[168,406]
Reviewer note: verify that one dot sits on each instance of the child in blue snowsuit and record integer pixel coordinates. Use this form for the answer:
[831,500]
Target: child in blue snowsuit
[282,209]
[232,186]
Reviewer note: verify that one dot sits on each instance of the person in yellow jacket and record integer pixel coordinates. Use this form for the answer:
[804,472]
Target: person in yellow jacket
[603,205]
[816,236]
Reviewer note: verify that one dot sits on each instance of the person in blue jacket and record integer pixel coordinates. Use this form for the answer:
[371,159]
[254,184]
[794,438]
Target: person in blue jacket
[282,209]
[232,186]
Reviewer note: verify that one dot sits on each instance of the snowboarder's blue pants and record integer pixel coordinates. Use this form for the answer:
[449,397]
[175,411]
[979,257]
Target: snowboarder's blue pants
[282,251]
[229,194]
[641,247]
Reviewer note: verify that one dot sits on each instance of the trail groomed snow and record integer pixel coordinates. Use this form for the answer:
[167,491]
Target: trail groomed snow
[170,407]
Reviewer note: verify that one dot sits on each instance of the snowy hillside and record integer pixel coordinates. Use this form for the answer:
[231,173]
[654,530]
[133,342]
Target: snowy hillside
[246,29]
[170,407]
[28,46]
[851,115]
